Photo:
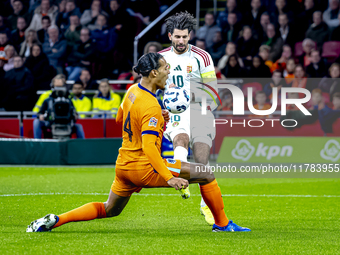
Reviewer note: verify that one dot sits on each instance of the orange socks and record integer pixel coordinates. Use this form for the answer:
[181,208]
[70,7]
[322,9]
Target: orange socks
[88,211]
[212,196]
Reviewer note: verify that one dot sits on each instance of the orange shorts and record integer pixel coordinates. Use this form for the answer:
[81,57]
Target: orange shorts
[129,181]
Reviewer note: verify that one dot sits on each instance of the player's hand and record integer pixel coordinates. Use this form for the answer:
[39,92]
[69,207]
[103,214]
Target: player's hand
[172,85]
[178,183]
[166,115]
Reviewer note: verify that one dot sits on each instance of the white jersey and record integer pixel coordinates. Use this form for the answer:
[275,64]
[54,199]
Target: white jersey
[194,64]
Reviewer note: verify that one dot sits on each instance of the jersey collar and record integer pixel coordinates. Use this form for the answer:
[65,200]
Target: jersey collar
[108,97]
[189,49]
[141,87]
[80,98]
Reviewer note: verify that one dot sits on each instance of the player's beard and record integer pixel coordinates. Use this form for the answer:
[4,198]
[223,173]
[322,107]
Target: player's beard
[179,50]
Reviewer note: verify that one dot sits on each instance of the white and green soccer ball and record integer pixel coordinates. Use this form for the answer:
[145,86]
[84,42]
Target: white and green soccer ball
[176,100]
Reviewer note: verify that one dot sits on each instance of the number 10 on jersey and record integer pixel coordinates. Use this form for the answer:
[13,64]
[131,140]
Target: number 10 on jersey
[178,80]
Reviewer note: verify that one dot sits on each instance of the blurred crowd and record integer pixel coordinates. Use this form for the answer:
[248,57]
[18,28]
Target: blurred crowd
[290,42]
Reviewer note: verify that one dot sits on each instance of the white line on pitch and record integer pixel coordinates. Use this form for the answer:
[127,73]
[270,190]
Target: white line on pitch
[161,194]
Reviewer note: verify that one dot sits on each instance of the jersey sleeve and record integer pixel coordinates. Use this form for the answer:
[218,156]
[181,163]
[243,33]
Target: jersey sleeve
[151,121]
[208,76]
[151,124]
[207,68]
[40,101]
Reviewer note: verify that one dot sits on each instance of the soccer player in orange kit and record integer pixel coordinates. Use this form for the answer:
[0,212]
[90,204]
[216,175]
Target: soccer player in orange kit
[139,163]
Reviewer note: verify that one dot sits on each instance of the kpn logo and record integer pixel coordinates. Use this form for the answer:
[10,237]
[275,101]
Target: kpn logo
[244,150]
[331,151]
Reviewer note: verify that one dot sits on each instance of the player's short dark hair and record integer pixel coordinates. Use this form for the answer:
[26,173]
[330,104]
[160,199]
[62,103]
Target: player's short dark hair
[210,13]
[147,63]
[301,66]
[315,50]
[265,14]
[181,21]
[336,94]
[46,17]
[86,70]
[260,92]
[278,71]
[318,91]
[104,80]
[59,77]
[78,82]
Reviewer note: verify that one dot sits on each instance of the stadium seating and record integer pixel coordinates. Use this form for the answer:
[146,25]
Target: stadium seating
[298,51]
[326,98]
[9,128]
[331,50]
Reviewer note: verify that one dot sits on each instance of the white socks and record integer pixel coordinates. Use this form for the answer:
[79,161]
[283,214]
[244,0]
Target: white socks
[181,153]
[203,204]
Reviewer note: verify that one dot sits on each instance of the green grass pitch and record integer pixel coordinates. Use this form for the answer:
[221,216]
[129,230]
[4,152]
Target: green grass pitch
[159,221]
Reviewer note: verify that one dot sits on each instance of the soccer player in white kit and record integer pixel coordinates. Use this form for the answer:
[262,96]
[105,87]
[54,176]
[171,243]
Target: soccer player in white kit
[187,62]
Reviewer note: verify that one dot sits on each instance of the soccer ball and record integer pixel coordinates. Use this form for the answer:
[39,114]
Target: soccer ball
[176,100]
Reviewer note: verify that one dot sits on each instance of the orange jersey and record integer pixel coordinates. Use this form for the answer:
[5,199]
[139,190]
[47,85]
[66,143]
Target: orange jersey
[140,113]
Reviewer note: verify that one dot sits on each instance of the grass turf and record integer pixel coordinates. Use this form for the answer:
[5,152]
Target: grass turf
[162,222]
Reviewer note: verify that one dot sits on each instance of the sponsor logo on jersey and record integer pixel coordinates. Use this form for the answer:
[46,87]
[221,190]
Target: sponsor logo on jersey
[175,124]
[153,122]
[189,69]
[171,161]
[132,97]
[178,68]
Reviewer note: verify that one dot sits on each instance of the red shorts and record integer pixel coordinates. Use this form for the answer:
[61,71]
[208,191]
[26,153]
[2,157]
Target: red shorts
[129,181]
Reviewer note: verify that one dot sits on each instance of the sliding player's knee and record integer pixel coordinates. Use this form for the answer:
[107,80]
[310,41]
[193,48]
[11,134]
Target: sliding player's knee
[202,159]
[210,176]
[201,152]
[205,173]
[181,140]
[112,210]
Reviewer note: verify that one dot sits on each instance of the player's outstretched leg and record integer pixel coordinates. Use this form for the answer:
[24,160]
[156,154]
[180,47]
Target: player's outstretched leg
[211,193]
[201,155]
[95,210]
[181,143]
